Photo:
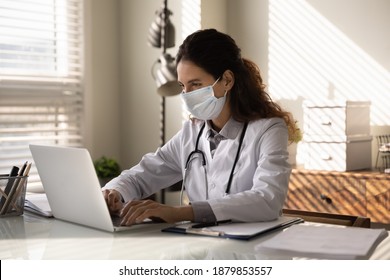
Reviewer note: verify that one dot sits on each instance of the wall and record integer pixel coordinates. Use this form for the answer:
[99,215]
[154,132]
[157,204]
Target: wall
[317,49]
[126,114]
[248,25]
[102,130]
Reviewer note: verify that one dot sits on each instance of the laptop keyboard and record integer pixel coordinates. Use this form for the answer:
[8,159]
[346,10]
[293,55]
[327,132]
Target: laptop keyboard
[116,221]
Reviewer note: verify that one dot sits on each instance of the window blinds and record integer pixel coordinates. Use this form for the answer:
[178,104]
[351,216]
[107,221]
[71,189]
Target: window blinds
[41,93]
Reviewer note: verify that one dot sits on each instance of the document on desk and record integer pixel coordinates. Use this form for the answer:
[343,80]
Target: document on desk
[233,230]
[38,204]
[325,242]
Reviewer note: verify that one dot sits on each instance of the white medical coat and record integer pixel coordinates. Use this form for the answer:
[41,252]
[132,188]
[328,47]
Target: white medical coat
[260,180]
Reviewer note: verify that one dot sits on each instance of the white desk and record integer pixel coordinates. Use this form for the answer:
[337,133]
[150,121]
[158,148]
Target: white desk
[30,237]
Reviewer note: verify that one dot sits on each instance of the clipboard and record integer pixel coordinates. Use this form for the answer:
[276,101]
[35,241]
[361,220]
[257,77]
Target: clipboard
[236,230]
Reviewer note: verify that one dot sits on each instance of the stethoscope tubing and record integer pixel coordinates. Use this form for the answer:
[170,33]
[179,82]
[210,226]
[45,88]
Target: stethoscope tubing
[203,158]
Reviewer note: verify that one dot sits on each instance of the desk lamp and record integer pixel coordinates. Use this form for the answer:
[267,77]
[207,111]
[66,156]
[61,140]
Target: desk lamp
[162,35]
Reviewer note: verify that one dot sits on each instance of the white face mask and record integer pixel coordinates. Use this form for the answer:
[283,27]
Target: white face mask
[202,103]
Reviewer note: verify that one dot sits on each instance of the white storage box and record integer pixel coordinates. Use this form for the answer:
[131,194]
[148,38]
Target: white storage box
[352,154]
[336,118]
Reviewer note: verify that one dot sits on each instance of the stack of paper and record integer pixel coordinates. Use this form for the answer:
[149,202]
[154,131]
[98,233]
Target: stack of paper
[325,242]
[38,204]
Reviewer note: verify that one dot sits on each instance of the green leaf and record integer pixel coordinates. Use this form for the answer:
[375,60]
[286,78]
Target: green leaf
[107,167]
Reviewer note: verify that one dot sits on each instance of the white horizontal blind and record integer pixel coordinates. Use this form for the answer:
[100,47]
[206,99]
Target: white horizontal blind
[41,93]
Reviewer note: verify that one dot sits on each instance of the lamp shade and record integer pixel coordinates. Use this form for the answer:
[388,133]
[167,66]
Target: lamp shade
[162,32]
[165,75]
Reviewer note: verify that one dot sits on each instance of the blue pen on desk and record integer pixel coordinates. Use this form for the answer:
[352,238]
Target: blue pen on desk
[211,224]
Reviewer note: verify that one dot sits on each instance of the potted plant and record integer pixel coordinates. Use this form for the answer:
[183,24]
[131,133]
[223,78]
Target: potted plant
[106,169]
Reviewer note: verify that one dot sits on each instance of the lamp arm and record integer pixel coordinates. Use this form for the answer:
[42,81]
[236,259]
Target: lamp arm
[164,26]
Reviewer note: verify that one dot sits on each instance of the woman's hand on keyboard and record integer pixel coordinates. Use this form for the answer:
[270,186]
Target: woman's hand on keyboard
[137,211]
[114,200]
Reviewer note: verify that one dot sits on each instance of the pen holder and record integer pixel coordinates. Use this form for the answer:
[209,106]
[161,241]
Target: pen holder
[12,195]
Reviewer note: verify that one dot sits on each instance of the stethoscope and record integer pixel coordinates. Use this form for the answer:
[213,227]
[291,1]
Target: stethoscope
[191,157]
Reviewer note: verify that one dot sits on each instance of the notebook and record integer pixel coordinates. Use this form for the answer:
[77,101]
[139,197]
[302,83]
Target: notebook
[72,187]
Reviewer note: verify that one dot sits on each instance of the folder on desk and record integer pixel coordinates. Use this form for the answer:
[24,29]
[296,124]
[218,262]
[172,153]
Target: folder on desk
[233,230]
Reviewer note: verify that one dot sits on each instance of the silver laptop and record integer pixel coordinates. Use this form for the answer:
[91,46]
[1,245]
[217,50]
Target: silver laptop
[72,186]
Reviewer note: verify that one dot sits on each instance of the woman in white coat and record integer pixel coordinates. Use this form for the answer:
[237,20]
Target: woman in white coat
[231,154]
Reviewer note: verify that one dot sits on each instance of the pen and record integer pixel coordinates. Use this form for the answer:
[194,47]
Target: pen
[13,189]
[19,187]
[7,190]
[211,224]
[204,232]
